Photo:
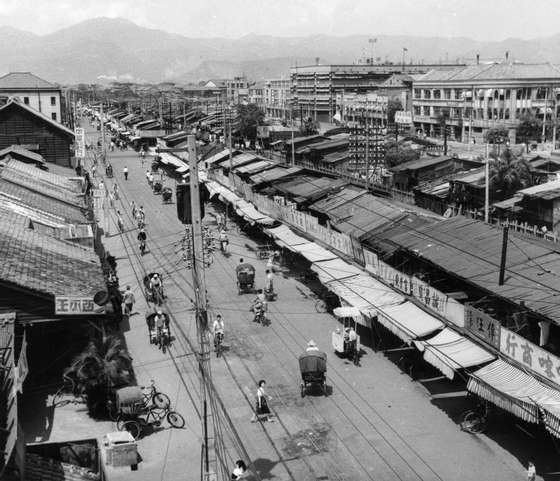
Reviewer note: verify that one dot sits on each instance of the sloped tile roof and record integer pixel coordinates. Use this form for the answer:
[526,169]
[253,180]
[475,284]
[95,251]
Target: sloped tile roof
[17,149]
[70,212]
[15,103]
[494,71]
[43,177]
[24,80]
[44,264]
[39,468]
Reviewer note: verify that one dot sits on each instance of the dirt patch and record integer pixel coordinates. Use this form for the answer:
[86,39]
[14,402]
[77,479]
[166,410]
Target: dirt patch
[312,440]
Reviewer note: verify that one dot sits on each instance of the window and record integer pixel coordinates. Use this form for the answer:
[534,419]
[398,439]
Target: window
[53,100]
[458,94]
[447,94]
[26,100]
[417,110]
[437,94]
[417,93]
[53,115]
[427,94]
[426,111]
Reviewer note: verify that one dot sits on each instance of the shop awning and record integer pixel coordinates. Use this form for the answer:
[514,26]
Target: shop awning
[448,351]
[365,293]
[517,392]
[334,270]
[227,195]
[285,237]
[314,253]
[408,321]
[250,214]
[182,169]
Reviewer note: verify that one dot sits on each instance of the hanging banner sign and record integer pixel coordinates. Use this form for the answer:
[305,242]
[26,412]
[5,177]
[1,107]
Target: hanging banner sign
[76,306]
[482,325]
[80,142]
[530,355]
[427,295]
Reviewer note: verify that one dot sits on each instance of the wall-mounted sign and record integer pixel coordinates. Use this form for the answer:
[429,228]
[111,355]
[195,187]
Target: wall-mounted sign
[482,325]
[80,137]
[76,306]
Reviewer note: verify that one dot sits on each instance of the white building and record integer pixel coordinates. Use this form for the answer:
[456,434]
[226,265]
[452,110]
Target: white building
[39,94]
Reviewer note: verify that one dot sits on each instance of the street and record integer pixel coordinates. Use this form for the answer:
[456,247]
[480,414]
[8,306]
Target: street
[375,422]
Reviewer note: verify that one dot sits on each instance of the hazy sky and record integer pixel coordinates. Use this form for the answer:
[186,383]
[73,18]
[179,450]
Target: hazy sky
[479,19]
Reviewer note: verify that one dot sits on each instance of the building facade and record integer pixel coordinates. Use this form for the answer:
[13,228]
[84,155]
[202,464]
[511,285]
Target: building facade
[479,97]
[277,98]
[33,91]
[314,88]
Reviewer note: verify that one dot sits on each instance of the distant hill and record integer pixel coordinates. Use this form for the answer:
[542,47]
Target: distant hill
[117,48]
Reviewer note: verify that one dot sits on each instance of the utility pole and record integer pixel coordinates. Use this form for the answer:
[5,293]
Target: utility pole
[504,256]
[102,119]
[544,117]
[444,135]
[367,154]
[199,284]
[486,186]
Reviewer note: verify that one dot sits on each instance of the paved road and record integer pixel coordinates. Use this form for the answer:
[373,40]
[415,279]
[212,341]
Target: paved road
[375,425]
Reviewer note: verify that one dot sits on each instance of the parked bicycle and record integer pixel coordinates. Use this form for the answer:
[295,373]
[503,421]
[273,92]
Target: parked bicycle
[475,420]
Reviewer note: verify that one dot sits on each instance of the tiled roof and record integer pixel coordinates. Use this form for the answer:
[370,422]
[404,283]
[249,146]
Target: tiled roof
[24,80]
[41,177]
[494,71]
[19,150]
[419,163]
[39,468]
[70,212]
[42,263]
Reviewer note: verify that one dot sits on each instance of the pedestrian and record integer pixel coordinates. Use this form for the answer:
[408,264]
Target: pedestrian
[148,176]
[93,170]
[120,222]
[262,411]
[134,209]
[239,470]
[531,471]
[269,283]
[128,300]
[125,172]
[116,191]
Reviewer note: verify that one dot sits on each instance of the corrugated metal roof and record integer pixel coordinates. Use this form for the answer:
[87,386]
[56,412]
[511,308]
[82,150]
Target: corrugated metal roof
[471,250]
[547,194]
[255,167]
[420,163]
[306,188]
[238,160]
[274,174]
[337,199]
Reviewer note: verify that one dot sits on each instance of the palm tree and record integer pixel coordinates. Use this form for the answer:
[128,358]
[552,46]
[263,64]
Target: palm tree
[103,366]
[509,173]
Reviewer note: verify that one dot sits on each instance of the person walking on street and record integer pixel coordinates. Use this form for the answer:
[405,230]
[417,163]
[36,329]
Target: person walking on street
[239,470]
[531,471]
[262,409]
[120,222]
[93,170]
[125,172]
[148,176]
[116,191]
[128,300]
[134,209]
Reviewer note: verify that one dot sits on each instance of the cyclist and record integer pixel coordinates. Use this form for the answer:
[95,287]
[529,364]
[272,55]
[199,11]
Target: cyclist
[142,238]
[141,217]
[224,241]
[218,330]
[259,306]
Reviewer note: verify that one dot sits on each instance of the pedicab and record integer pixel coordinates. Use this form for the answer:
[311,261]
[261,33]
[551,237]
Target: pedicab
[342,343]
[158,328]
[157,185]
[313,368]
[245,278]
[166,195]
[154,294]
[155,164]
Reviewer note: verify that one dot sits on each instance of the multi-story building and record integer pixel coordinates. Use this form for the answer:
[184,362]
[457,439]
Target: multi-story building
[277,98]
[33,91]
[256,94]
[314,88]
[479,97]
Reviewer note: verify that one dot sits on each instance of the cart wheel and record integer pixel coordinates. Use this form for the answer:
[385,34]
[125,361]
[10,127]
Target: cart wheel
[321,306]
[132,427]
[161,400]
[302,390]
[175,419]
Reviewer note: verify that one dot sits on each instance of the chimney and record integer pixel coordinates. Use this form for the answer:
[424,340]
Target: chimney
[507,55]
[316,60]
[477,58]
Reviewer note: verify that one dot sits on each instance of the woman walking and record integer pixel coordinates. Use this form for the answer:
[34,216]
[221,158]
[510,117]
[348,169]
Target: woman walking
[262,412]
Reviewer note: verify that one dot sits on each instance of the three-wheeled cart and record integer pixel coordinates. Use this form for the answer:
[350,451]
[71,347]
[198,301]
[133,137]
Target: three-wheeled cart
[245,278]
[154,294]
[313,368]
[350,317]
[157,185]
[166,195]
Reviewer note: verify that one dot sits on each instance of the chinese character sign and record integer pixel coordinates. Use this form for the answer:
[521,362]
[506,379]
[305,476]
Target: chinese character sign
[76,306]
[530,355]
[80,142]
[482,325]
[430,297]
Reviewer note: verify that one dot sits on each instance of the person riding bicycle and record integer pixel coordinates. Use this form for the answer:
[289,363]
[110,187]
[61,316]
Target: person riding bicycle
[224,240]
[156,285]
[218,330]
[259,305]
[142,238]
[141,217]
[160,321]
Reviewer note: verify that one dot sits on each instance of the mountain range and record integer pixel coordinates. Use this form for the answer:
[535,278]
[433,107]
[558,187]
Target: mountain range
[104,49]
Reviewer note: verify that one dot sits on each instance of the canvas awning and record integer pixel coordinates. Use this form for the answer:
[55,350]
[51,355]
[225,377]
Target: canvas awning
[250,214]
[313,252]
[408,321]
[182,169]
[334,270]
[519,393]
[285,237]
[227,195]
[365,293]
[448,351]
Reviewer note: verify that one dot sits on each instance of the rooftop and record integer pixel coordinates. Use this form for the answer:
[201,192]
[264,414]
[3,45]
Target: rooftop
[24,80]
[494,71]
[15,103]
[420,163]
[21,152]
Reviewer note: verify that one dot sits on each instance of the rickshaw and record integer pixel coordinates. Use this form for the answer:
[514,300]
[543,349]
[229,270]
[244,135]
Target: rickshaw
[245,278]
[159,335]
[350,317]
[157,185]
[136,408]
[313,368]
[109,171]
[155,165]
[154,295]
[166,195]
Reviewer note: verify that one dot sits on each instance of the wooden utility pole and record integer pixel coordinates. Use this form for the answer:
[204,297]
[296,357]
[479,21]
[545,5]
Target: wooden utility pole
[102,120]
[199,284]
[486,186]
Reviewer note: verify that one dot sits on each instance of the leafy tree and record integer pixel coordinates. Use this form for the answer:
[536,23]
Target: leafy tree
[529,128]
[309,127]
[249,117]
[496,135]
[102,367]
[395,155]
[393,106]
[509,173]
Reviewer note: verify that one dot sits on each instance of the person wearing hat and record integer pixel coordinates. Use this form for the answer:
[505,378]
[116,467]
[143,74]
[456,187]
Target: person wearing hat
[218,330]
[312,346]
[160,320]
[128,301]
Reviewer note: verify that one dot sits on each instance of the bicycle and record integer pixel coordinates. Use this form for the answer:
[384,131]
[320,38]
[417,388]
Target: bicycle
[218,340]
[475,420]
[151,396]
[152,416]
